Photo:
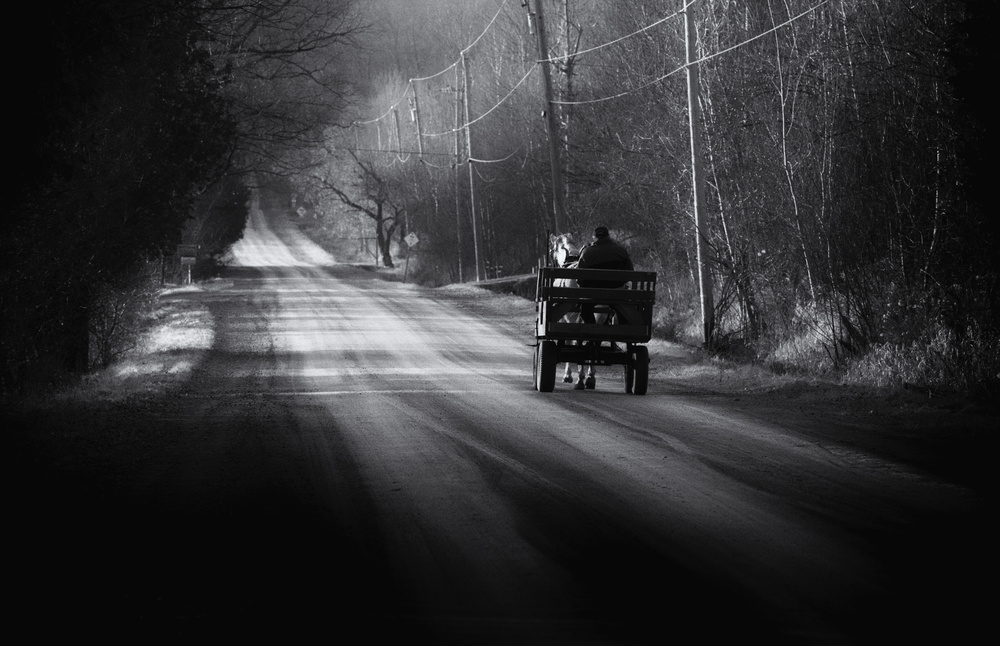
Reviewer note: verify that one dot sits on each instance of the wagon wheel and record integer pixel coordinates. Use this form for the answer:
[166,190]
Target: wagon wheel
[637,370]
[546,354]
[629,369]
[534,369]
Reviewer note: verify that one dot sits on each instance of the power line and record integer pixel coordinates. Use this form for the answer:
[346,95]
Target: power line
[393,152]
[700,60]
[524,78]
[399,153]
[387,112]
[433,76]
[485,114]
[495,16]
[496,161]
[626,92]
[769,31]
[528,73]
[467,48]
[447,69]
[556,59]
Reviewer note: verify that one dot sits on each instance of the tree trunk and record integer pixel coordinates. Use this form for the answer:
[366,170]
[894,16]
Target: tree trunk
[383,239]
[786,163]
[76,359]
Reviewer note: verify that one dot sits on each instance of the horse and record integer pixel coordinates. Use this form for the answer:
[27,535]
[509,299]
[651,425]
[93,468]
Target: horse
[565,253]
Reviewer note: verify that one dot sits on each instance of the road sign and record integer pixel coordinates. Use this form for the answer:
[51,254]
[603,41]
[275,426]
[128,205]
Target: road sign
[411,239]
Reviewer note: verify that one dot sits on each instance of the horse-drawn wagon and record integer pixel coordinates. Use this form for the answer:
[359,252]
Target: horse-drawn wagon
[621,304]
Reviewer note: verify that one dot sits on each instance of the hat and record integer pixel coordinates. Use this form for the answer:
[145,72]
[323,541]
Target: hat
[601,232]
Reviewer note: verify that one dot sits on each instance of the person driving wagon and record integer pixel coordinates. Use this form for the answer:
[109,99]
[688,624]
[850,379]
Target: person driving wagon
[603,253]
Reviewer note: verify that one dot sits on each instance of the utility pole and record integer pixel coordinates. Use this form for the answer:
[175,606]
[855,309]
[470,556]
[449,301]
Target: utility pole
[399,140]
[455,165]
[415,117]
[472,180]
[698,179]
[558,209]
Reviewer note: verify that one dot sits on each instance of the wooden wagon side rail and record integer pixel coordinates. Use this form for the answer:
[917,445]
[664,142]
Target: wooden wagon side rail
[632,304]
[639,286]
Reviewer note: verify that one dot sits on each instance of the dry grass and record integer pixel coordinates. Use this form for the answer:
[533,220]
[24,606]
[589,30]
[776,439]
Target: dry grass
[174,340]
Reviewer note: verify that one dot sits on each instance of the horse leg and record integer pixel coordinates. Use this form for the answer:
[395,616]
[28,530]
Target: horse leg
[568,375]
[591,381]
[586,377]
[581,381]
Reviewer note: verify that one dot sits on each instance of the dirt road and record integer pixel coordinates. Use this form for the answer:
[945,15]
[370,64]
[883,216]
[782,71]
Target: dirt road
[365,461]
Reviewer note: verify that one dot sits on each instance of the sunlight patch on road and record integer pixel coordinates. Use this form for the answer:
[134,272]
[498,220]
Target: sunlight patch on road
[448,370]
[386,391]
[338,393]
[260,246]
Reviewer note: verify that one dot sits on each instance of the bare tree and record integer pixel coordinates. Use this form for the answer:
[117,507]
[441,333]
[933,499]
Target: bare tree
[360,185]
[284,60]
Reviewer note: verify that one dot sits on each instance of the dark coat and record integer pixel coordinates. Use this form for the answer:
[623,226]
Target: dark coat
[604,253]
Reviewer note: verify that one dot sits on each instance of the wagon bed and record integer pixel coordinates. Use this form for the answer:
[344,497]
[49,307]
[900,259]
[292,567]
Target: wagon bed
[617,341]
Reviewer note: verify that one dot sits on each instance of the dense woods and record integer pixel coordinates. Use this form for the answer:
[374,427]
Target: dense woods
[135,125]
[844,147]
